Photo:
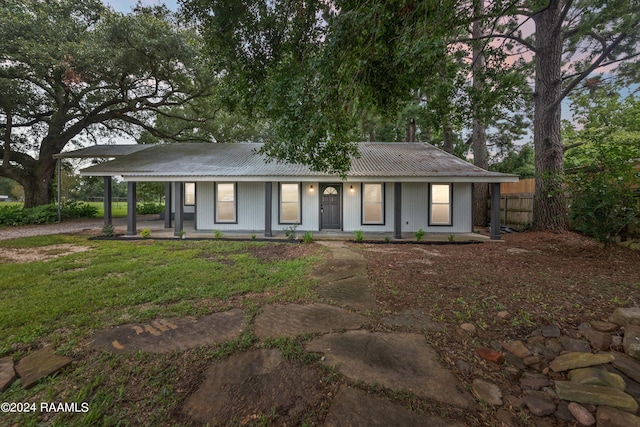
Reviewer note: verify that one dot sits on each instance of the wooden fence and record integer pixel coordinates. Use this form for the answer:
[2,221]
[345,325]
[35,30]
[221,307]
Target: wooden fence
[516,203]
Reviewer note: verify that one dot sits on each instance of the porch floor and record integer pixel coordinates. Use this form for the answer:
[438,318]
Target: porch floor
[157,230]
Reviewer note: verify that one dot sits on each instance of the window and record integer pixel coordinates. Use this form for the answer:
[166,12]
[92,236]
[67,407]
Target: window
[440,204]
[373,204]
[290,203]
[225,202]
[189,193]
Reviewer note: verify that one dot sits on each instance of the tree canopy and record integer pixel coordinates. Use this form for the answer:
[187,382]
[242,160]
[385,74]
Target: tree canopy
[75,71]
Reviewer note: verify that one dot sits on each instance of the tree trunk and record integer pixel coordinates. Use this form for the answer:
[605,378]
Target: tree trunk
[549,211]
[479,135]
[38,189]
[410,135]
[448,137]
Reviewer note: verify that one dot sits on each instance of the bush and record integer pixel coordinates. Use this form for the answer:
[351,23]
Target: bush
[359,236]
[149,208]
[420,235]
[307,237]
[45,214]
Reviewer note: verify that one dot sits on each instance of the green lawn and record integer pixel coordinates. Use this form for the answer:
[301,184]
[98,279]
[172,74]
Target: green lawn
[118,209]
[64,299]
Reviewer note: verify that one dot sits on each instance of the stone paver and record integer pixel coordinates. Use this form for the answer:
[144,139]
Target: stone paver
[165,335]
[356,408]
[400,361]
[39,364]
[7,373]
[294,319]
[353,292]
[251,384]
[596,395]
[415,319]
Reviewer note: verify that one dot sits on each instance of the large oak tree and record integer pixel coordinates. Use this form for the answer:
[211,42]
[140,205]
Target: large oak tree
[76,72]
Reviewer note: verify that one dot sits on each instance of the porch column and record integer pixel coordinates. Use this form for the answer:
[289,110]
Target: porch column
[179,208]
[397,211]
[108,193]
[131,208]
[268,192]
[495,211]
[167,205]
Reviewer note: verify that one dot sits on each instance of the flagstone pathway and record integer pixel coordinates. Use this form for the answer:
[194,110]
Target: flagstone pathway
[261,381]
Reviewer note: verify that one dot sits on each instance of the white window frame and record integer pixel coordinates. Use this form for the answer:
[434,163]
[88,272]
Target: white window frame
[281,202]
[235,203]
[189,194]
[448,203]
[365,203]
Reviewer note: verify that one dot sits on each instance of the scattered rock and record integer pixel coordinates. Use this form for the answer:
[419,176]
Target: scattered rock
[504,315]
[7,373]
[512,401]
[551,331]
[514,360]
[539,403]
[631,341]
[596,395]
[562,412]
[611,417]
[39,364]
[490,355]
[534,382]
[602,326]
[626,316]
[554,345]
[574,360]
[463,366]
[598,340]
[517,347]
[531,360]
[487,392]
[627,365]
[581,414]
[506,418]
[468,327]
[575,345]
[595,376]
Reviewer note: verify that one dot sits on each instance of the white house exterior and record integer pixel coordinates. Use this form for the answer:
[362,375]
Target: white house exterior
[391,188]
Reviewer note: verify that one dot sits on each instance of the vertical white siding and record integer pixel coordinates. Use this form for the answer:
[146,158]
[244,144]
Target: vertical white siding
[249,207]
[206,204]
[415,206]
[352,209]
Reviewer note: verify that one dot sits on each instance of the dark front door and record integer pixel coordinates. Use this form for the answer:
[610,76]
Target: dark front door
[330,213]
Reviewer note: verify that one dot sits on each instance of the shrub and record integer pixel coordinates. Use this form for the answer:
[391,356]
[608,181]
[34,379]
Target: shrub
[291,232]
[149,208]
[307,237]
[419,235]
[146,232]
[359,236]
[217,234]
[108,230]
[17,215]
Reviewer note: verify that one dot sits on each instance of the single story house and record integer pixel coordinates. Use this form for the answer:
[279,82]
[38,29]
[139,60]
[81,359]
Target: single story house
[392,188]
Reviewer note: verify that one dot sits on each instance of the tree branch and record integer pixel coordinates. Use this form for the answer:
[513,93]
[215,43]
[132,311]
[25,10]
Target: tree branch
[499,36]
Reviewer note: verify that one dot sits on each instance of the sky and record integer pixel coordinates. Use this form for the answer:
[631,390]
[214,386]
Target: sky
[127,5]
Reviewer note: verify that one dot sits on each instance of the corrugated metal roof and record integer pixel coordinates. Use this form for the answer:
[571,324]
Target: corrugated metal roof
[102,151]
[377,159]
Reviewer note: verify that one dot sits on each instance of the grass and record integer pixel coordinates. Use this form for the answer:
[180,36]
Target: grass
[63,300]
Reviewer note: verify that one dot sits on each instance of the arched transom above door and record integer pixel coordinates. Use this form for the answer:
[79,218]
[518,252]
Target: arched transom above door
[330,190]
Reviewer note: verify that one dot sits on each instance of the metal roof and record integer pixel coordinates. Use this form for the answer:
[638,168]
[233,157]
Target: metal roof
[102,151]
[241,162]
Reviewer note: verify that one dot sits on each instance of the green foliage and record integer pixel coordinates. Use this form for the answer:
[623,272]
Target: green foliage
[520,161]
[217,234]
[307,237]
[17,215]
[108,230]
[420,235]
[145,233]
[290,232]
[358,236]
[604,170]
[387,239]
[149,208]
[77,70]
[451,238]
